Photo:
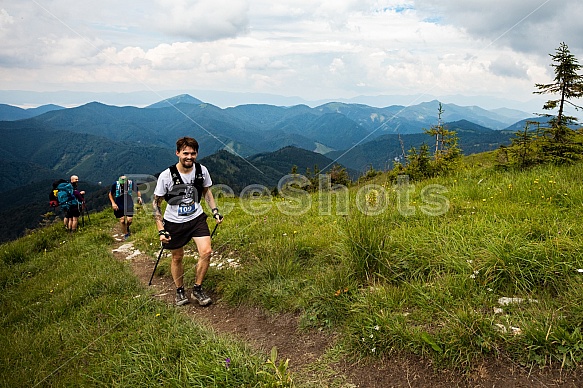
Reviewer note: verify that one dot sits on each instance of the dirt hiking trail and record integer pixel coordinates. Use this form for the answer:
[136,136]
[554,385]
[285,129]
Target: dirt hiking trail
[263,331]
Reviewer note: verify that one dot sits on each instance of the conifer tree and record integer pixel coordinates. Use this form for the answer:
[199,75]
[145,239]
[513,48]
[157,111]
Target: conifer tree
[558,145]
[447,151]
[568,84]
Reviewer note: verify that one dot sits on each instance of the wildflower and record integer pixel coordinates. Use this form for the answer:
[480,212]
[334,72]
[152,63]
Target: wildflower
[580,270]
[372,198]
[227,362]
[377,328]
[373,350]
[371,336]
[158,314]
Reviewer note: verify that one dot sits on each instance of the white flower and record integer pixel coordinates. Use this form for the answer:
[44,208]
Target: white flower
[580,270]
[377,328]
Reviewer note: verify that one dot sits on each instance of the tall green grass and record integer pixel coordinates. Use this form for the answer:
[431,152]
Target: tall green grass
[389,274]
[412,278]
[73,315]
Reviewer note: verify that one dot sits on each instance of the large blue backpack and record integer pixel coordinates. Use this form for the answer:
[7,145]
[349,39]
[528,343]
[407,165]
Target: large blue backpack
[66,196]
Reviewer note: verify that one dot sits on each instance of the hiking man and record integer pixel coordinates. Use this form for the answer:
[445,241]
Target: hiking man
[120,196]
[73,212]
[183,185]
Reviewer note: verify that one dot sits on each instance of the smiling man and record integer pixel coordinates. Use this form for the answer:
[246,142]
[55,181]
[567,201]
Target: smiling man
[183,185]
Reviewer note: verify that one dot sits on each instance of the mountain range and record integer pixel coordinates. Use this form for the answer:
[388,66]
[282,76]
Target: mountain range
[241,145]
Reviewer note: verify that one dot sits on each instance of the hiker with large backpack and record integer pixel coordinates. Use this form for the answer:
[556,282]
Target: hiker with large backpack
[183,185]
[122,202]
[68,198]
[72,216]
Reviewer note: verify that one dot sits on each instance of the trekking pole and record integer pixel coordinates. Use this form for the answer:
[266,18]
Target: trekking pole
[215,228]
[86,211]
[156,265]
[82,216]
[212,234]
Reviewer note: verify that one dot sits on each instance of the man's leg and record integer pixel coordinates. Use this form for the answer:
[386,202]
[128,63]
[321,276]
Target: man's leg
[203,244]
[177,270]
[74,221]
[128,223]
[123,225]
[176,267]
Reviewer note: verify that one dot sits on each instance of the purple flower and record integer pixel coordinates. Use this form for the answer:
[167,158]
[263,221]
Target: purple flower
[227,362]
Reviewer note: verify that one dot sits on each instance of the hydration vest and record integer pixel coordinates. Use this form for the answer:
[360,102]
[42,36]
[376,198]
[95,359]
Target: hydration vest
[175,196]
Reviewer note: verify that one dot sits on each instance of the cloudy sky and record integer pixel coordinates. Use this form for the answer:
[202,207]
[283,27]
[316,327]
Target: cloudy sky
[316,50]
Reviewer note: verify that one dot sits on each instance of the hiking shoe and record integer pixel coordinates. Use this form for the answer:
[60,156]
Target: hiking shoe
[181,298]
[126,236]
[202,298]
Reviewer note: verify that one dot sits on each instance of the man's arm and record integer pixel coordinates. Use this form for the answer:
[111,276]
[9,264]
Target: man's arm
[210,200]
[157,207]
[140,201]
[113,204]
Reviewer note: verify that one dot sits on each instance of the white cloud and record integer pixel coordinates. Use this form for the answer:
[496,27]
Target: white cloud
[507,67]
[326,49]
[5,19]
[203,20]
[534,26]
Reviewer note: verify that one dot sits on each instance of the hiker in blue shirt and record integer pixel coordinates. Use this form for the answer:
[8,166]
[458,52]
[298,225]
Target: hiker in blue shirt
[120,196]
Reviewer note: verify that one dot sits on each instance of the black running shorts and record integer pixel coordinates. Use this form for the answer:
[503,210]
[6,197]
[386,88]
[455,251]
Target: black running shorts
[181,233]
[73,212]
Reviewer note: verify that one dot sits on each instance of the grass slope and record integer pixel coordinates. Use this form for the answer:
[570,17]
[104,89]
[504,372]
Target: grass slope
[73,315]
[416,268]
[420,268]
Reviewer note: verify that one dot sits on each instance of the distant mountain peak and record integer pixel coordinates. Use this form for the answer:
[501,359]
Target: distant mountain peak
[180,99]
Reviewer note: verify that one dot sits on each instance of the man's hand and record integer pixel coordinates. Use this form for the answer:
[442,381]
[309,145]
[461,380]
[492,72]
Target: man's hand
[216,215]
[164,236]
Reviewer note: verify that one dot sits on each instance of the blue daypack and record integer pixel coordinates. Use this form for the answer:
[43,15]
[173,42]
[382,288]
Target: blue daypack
[66,196]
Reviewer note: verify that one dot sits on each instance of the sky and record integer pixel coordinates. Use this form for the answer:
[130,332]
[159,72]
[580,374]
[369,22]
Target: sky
[314,50]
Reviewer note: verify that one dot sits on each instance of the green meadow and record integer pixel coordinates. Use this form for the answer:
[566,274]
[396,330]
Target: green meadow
[482,264]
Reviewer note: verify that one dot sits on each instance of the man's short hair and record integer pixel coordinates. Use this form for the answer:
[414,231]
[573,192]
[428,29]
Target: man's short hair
[186,141]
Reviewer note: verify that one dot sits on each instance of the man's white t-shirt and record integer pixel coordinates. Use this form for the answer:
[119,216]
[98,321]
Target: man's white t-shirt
[184,209]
